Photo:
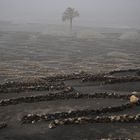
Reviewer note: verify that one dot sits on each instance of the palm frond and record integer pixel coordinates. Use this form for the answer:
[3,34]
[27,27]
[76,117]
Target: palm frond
[70,13]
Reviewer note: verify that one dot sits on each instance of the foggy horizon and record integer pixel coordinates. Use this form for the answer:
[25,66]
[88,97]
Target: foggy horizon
[116,13]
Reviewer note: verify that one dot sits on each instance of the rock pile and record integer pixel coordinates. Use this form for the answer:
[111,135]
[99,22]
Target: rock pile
[134,99]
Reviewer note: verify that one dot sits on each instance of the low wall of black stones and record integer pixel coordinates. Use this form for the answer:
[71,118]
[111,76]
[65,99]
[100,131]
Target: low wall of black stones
[44,83]
[72,76]
[3,125]
[97,119]
[95,77]
[111,80]
[117,139]
[137,71]
[21,86]
[108,78]
[55,83]
[32,118]
[68,93]
[38,98]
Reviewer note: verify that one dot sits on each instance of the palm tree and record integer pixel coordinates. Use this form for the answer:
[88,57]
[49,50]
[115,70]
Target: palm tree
[70,14]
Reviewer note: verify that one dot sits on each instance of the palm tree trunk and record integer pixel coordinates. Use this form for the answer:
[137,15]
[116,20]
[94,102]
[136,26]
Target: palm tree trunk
[71,24]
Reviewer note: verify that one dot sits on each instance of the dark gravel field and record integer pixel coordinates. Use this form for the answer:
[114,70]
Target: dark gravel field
[80,93]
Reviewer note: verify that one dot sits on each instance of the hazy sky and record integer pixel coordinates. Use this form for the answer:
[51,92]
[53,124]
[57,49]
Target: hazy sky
[92,12]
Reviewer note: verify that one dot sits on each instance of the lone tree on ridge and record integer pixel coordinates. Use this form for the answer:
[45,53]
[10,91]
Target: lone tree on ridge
[69,15]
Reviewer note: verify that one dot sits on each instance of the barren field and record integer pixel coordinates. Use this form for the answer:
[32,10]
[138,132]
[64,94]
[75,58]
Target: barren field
[68,87]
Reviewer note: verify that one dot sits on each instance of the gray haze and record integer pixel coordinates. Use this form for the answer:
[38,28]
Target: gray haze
[122,13]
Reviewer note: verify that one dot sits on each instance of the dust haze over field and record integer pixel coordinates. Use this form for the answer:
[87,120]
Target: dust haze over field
[49,71]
